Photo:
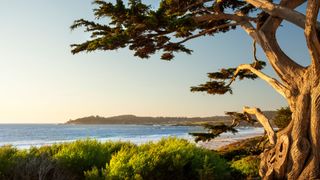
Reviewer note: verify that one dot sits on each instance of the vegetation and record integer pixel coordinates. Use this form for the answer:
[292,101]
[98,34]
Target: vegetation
[283,117]
[215,130]
[243,157]
[167,159]
[244,148]
[131,119]
[89,159]
[59,161]
[146,31]
[247,166]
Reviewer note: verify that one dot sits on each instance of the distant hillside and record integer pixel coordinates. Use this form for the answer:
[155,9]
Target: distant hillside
[131,119]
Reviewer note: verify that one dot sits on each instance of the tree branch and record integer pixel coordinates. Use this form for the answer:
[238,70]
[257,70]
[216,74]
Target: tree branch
[284,66]
[311,33]
[283,12]
[281,63]
[280,88]
[222,16]
[251,31]
[202,33]
[264,121]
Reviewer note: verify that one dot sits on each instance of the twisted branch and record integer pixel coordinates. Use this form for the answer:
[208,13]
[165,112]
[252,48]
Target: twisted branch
[264,121]
[280,88]
[283,12]
[284,66]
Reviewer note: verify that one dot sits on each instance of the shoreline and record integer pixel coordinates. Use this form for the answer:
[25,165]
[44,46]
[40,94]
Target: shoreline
[44,135]
[213,144]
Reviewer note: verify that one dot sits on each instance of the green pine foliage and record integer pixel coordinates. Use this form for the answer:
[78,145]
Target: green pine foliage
[214,131]
[220,82]
[147,30]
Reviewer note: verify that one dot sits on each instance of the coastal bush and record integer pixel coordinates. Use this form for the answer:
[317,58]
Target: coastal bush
[83,155]
[58,161]
[10,159]
[34,163]
[7,159]
[95,174]
[168,159]
[89,159]
[244,148]
[243,157]
[247,166]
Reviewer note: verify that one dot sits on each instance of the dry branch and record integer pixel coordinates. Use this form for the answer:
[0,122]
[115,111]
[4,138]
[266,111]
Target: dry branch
[280,88]
[264,121]
[276,10]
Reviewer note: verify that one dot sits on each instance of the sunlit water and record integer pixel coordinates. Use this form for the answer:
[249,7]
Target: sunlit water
[27,135]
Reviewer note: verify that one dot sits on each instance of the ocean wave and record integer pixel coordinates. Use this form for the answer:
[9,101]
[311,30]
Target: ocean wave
[25,137]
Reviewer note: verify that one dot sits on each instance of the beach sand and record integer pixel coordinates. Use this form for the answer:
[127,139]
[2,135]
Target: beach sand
[228,138]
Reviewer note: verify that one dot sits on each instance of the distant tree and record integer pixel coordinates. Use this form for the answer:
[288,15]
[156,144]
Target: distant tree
[296,151]
[283,117]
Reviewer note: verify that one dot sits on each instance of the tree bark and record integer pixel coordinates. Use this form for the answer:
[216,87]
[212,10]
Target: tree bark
[296,154]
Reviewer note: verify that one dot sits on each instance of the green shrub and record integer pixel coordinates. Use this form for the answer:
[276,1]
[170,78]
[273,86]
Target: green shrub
[283,117]
[95,174]
[7,159]
[207,171]
[10,157]
[89,159]
[244,148]
[247,166]
[59,161]
[168,159]
[82,155]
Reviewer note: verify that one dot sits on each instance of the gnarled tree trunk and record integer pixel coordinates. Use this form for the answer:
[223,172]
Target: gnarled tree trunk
[296,154]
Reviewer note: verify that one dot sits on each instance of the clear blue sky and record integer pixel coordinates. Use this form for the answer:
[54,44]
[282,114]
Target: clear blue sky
[42,82]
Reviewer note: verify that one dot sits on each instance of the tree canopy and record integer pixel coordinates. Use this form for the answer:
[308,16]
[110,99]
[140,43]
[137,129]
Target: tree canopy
[295,153]
[146,31]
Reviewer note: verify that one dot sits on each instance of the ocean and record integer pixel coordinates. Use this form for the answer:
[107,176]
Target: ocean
[24,136]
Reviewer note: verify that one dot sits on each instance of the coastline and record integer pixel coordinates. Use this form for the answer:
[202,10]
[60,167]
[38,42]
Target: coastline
[216,144]
[44,135]
[229,138]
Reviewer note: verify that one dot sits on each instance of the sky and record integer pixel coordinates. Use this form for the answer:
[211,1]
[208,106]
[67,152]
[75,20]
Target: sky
[42,82]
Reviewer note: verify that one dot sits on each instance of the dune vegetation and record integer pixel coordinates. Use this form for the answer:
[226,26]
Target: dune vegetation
[169,158]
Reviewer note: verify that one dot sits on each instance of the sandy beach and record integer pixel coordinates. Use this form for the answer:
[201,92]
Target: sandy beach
[228,138]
